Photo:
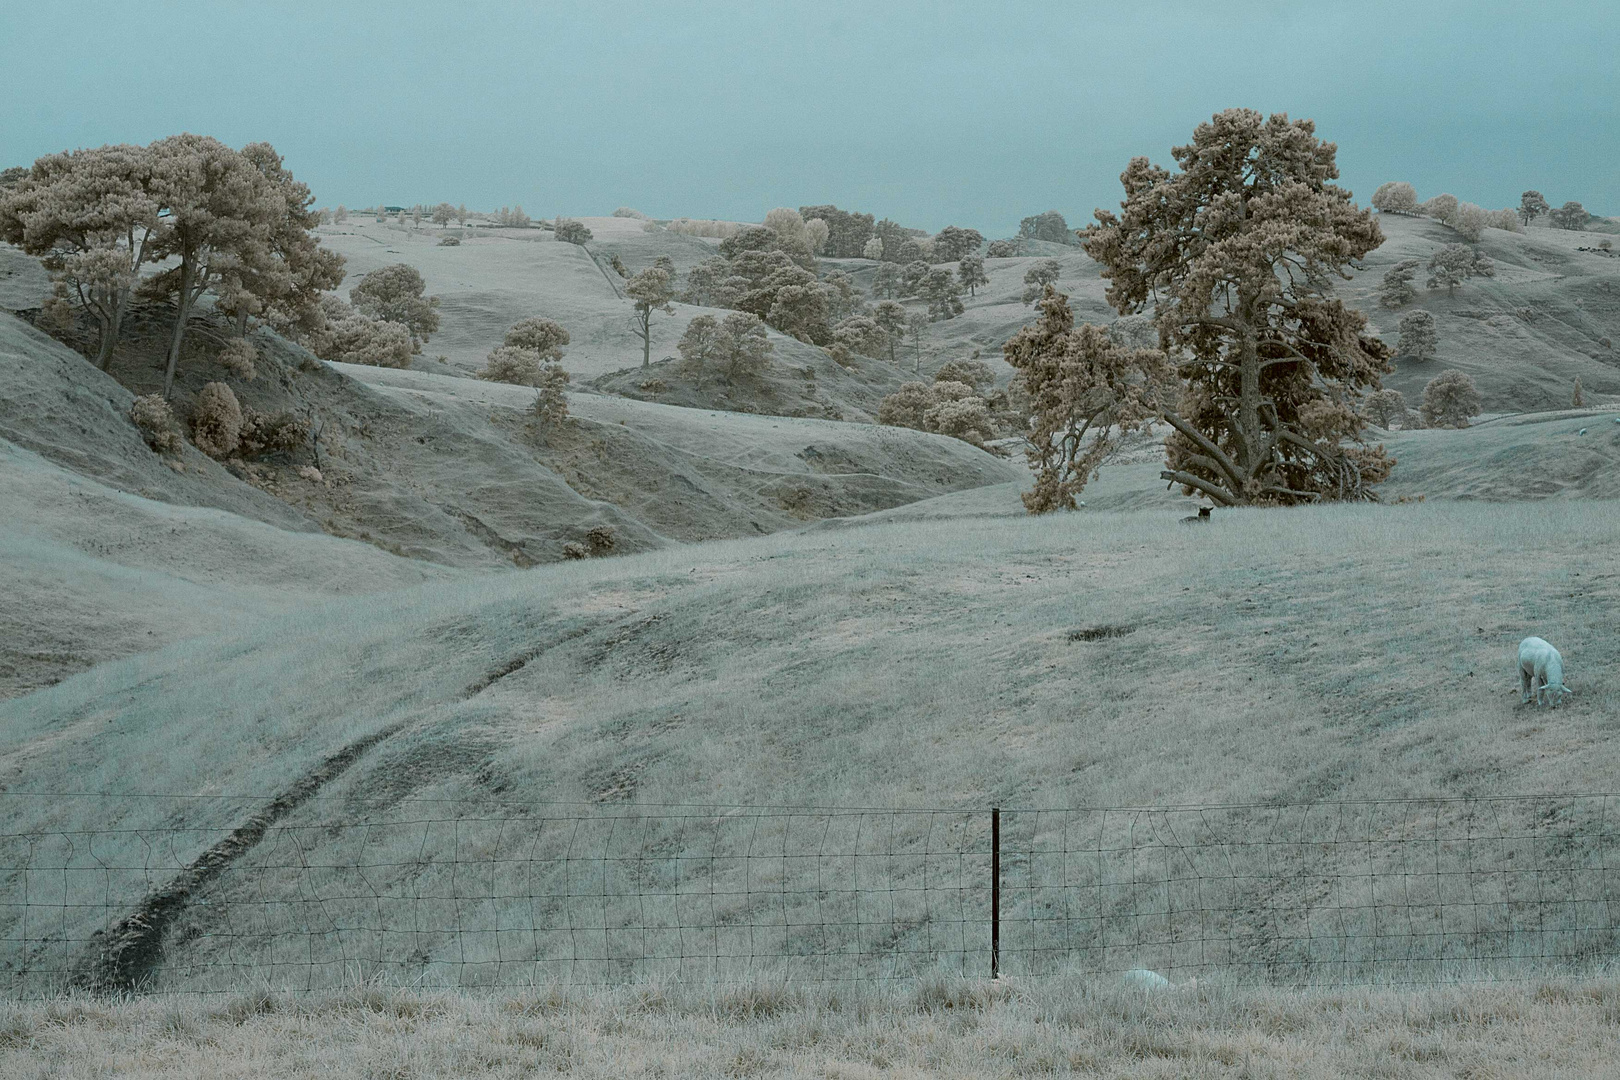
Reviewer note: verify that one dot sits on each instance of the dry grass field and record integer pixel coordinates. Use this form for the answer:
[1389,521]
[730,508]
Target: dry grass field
[803,609]
[1538,1030]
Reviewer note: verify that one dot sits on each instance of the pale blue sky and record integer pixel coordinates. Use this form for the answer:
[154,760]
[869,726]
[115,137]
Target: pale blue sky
[930,113]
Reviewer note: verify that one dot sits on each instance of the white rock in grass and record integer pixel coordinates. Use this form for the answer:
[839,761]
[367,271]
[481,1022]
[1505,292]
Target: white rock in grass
[1143,979]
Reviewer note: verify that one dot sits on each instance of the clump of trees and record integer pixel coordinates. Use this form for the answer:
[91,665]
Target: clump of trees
[630,212]
[954,243]
[1419,338]
[209,218]
[512,218]
[1454,264]
[1571,216]
[1263,367]
[735,346]
[1399,197]
[1049,226]
[395,294]
[945,407]
[713,229]
[571,231]
[848,231]
[1449,400]
[1002,249]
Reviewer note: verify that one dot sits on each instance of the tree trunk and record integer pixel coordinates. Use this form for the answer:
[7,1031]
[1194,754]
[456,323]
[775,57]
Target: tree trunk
[646,339]
[182,313]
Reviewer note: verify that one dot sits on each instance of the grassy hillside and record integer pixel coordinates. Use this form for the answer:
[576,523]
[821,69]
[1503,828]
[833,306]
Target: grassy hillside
[1331,653]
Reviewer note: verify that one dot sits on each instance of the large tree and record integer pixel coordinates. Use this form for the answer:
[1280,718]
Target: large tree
[1532,204]
[652,290]
[90,216]
[218,213]
[1049,226]
[1235,254]
[971,273]
[282,279]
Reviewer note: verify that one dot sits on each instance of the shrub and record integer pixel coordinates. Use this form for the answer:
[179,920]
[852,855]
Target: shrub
[1506,220]
[544,336]
[601,539]
[216,421]
[237,357]
[394,294]
[1579,400]
[907,406]
[625,211]
[575,550]
[571,231]
[965,418]
[450,241]
[507,364]
[1384,407]
[975,374]
[269,433]
[154,419]
[1449,399]
[551,395]
[350,337]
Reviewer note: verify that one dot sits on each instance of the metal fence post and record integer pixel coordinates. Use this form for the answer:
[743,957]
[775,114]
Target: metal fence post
[995,892]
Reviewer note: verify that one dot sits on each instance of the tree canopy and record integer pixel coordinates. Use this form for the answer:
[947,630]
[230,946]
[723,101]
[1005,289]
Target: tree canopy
[1235,255]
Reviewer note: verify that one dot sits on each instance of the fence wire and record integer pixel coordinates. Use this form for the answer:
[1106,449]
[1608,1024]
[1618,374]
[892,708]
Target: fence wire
[436,894]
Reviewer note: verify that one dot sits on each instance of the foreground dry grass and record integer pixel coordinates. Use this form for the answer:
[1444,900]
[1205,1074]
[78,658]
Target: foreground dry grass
[1528,1030]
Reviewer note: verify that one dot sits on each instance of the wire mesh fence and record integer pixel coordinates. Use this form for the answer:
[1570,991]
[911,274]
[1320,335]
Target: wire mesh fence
[154,895]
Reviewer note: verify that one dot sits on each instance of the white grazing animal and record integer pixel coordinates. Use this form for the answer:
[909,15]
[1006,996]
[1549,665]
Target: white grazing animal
[1541,672]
